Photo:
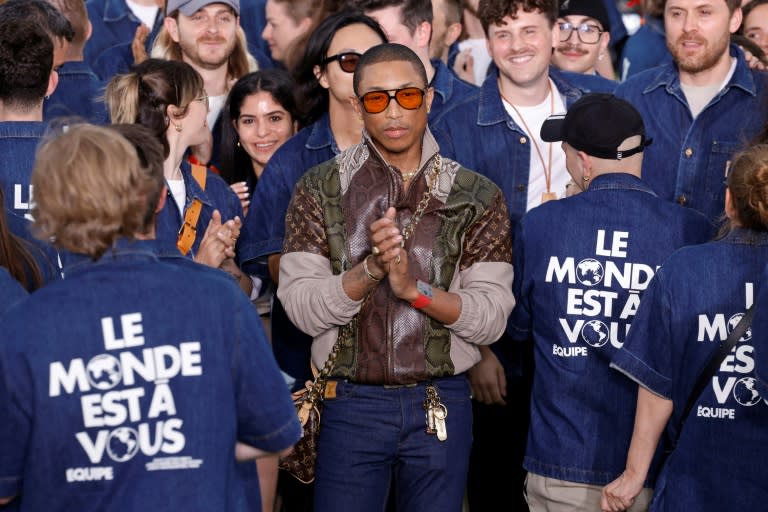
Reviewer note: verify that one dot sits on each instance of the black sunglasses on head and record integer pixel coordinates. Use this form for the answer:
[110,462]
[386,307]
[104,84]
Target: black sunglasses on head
[347,61]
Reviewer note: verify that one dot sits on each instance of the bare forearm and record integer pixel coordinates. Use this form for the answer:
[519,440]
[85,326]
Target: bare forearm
[652,415]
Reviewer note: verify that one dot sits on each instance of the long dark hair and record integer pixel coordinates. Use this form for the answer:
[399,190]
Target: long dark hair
[16,256]
[313,97]
[235,164]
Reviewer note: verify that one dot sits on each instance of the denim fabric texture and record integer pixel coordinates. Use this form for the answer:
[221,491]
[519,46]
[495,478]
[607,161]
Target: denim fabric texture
[77,94]
[107,381]
[645,49]
[690,158]
[693,302]
[11,291]
[760,331]
[114,24]
[481,135]
[18,143]
[449,90]
[370,424]
[581,266]
[216,196]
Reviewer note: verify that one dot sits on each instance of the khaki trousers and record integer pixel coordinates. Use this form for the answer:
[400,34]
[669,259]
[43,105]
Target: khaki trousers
[546,494]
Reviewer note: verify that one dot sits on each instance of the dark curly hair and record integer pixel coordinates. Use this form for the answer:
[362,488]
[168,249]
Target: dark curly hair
[492,12]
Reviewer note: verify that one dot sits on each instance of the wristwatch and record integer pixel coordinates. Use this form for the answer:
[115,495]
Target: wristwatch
[425,295]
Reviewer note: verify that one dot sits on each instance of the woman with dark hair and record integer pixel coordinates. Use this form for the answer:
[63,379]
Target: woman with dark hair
[262,112]
[691,306]
[201,215]
[325,87]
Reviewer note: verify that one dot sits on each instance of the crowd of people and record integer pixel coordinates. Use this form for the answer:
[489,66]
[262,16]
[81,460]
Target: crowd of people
[516,236]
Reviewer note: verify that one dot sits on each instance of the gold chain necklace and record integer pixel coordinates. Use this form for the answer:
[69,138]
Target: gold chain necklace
[432,180]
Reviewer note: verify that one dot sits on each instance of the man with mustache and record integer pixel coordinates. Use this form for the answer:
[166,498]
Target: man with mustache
[700,108]
[584,36]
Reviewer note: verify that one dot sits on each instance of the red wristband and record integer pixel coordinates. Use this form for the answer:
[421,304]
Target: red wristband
[425,295]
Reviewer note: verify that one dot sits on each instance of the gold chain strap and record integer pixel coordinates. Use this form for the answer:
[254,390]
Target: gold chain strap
[422,206]
[318,386]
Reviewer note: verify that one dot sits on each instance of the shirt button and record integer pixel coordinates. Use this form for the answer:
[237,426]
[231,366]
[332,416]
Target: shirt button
[688,152]
[521,188]
[523,140]
[682,200]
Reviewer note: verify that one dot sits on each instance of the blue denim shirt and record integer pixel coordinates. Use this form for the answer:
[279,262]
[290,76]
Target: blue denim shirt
[216,196]
[690,158]
[581,265]
[18,143]
[482,136]
[114,23]
[449,90]
[11,291]
[77,94]
[126,377]
[692,304]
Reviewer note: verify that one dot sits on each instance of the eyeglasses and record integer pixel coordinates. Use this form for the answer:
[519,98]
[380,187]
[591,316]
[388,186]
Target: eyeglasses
[410,98]
[587,32]
[347,61]
[203,98]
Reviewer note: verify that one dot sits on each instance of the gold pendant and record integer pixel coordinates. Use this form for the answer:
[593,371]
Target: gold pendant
[548,196]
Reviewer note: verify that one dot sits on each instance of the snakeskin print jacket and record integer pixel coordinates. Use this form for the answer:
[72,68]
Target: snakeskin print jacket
[461,244]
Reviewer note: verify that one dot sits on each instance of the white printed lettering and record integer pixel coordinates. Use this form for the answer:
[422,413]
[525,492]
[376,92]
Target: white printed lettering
[130,324]
[618,245]
[75,375]
[569,351]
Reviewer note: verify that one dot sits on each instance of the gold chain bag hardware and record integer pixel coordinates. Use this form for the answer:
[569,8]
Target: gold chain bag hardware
[300,463]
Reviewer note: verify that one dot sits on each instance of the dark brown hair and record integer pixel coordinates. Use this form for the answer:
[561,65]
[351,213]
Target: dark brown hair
[492,12]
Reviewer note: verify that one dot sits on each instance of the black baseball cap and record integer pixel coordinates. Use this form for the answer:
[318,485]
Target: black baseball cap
[592,8]
[597,124]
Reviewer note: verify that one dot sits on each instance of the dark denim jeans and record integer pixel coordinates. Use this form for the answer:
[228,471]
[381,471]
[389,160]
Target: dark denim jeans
[372,440]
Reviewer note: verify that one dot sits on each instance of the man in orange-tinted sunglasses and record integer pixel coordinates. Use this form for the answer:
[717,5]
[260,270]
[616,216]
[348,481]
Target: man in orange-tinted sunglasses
[398,261]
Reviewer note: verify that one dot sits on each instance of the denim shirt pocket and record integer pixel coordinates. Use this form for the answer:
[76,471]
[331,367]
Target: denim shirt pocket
[719,167]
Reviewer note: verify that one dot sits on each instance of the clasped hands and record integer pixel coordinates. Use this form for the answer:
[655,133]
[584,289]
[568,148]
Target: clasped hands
[388,257]
[219,241]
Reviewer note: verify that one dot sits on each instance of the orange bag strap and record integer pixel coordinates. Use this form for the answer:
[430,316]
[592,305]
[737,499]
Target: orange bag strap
[188,231]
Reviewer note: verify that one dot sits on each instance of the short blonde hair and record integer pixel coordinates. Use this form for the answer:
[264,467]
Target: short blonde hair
[90,190]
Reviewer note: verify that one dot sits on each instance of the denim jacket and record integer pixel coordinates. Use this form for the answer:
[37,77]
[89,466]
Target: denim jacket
[216,196]
[690,158]
[692,304]
[77,94]
[114,23]
[449,90]
[581,266]
[140,365]
[481,135]
[11,291]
